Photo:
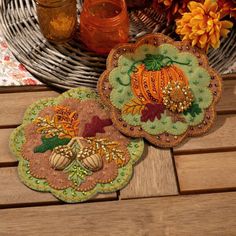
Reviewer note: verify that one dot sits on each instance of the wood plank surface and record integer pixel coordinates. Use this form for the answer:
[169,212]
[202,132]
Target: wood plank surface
[13,105]
[204,214]
[5,154]
[227,103]
[14,192]
[153,176]
[221,137]
[20,89]
[206,172]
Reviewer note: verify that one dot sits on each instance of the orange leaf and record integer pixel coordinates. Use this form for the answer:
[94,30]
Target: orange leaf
[135,106]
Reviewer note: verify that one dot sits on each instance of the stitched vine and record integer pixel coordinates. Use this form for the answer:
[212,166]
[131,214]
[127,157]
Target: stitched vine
[152,63]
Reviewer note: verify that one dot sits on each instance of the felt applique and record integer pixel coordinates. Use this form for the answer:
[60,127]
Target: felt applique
[152,111]
[96,126]
[50,143]
[194,110]
[69,147]
[135,106]
[63,123]
[177,97]
[160,89]
[150,77]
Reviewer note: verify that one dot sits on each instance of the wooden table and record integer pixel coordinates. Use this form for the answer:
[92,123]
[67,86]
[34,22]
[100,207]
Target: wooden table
[188,190]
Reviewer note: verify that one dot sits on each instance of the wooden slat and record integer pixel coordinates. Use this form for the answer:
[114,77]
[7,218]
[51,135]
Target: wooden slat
[221,137]
[13,105]
[206,172]
[19,89]
[5,155]
[229,76]
[207,214]
[228,100]
[153,176]
[14,192]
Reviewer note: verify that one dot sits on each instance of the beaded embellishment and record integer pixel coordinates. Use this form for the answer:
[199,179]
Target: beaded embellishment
[160,89]
[68,146]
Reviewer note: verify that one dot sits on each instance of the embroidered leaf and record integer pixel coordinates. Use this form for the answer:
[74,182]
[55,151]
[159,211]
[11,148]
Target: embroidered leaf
[193,110]
[152,111]
[135,106]
[48,127]
[153,62]
[156,62]
[50,143]
[68,120]
[108,149]
[96,126]
[64,123]
[77,173]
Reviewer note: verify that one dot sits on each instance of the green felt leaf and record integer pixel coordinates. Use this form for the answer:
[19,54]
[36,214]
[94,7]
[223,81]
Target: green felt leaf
[193,110]
[153,62]
[50,144]
[77,173]
[193,121]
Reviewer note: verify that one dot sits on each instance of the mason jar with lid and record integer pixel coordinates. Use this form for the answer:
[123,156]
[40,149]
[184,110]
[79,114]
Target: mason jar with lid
[57,19]
[104,24]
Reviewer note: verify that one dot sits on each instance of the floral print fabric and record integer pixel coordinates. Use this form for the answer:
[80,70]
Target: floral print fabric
[12,73]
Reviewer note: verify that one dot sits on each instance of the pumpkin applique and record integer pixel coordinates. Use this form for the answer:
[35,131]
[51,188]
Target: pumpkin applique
[160,89]
[152,75]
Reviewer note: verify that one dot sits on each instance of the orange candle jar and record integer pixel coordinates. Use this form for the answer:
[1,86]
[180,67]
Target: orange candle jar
[57,19]
[104,24]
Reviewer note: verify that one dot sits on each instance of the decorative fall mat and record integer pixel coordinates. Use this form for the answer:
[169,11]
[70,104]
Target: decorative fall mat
[69,147]
[160,89]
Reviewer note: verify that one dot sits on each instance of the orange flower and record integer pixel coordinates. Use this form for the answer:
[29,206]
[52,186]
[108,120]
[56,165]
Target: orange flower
[228,7]
[172,8]
[202,25]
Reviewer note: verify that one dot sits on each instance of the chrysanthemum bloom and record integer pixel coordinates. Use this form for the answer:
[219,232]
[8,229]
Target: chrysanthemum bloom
[202,25]
[228,7]
[172,8]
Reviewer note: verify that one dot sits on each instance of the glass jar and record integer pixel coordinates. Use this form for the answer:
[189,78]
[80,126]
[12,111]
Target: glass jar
[57,19]
[104,24]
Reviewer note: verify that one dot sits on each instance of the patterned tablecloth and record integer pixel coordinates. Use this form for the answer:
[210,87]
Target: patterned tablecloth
[14,73]
[11,71]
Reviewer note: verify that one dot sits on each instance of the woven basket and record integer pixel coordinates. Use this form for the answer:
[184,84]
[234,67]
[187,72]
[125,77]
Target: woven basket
[70,65]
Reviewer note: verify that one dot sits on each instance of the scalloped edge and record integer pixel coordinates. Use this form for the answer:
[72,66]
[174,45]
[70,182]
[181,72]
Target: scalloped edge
[59,193]
[156,39]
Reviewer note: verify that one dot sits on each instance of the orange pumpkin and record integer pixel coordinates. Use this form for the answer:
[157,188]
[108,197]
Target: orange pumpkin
[148,84]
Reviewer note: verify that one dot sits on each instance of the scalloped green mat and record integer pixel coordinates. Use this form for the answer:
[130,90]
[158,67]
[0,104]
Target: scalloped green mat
[160,89]
[25,143]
